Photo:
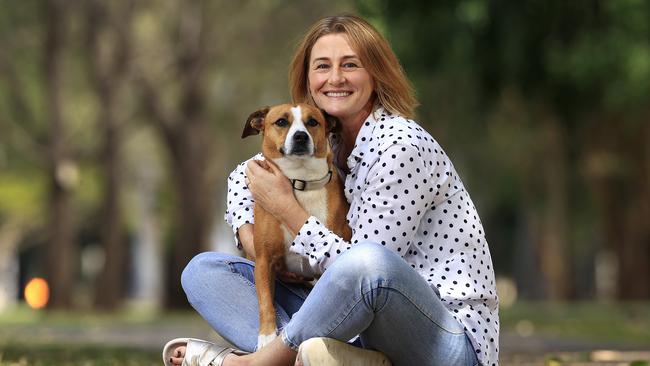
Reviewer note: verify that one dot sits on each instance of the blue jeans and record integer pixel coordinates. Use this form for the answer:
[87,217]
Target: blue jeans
[369,291]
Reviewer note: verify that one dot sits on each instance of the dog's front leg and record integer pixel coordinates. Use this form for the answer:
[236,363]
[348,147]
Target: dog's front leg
[265,282]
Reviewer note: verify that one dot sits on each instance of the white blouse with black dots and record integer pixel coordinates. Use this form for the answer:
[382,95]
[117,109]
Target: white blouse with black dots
[405,194]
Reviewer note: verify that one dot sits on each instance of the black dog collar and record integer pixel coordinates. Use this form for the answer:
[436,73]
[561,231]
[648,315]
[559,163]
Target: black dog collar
[304,185]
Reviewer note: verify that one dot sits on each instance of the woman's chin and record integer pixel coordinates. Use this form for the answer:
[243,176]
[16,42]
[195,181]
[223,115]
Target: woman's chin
[336,110]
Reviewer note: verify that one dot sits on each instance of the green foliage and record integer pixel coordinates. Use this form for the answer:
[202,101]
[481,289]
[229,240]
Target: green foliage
[639,363]
[506,86]
[494,78]
[22,195]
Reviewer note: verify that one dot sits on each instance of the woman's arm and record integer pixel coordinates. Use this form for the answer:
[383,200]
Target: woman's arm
[239,203]
[245,234]
[272,190]
[397,193]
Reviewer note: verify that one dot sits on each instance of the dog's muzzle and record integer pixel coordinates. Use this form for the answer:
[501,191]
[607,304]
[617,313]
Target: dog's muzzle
[300,144]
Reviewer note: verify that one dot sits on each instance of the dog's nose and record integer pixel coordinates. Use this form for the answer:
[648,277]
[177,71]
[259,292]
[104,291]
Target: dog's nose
[300,137]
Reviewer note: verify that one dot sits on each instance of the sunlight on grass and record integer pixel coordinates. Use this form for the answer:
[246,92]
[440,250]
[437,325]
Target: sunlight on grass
[626,323]
[22,314]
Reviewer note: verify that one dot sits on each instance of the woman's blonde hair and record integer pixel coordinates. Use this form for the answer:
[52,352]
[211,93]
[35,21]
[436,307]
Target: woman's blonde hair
[393,89]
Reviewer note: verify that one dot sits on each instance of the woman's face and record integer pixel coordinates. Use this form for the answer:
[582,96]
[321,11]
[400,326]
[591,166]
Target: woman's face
[338,82]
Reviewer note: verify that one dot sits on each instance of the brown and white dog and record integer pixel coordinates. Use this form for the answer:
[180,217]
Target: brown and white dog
[295,138]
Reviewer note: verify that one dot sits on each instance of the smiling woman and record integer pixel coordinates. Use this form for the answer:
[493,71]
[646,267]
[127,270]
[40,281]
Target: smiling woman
[338,82]
[414,282]
[391,87]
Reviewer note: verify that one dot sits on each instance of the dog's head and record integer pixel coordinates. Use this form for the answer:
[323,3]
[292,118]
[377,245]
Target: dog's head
[291,130]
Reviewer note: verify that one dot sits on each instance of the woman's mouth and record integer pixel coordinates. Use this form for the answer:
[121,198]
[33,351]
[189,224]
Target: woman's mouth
[338,94]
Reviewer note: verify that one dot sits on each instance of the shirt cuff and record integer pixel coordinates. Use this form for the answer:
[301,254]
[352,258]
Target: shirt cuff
[239,219]
[306,237]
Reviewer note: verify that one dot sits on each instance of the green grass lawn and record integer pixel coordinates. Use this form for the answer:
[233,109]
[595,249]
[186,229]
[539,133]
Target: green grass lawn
[69,355]
[627,323]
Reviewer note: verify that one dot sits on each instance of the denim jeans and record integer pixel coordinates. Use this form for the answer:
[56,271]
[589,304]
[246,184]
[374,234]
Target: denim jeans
[369,291]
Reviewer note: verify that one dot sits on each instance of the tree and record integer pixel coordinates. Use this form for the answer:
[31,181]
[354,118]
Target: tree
[201,72]
[561,89]
[108,44]
[62,171]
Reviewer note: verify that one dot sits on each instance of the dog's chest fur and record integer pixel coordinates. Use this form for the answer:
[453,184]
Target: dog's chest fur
[313,201]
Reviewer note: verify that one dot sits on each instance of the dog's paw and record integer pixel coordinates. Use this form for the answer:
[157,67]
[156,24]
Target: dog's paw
[264,339]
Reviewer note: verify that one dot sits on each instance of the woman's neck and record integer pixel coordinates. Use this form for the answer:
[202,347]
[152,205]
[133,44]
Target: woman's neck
[350,128]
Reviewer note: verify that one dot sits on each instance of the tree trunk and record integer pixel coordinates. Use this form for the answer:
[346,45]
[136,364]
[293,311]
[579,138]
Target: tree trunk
[185,130]
[110,289]
[62,247]
[618,171]
[191,154]
[553,242]
[634,248]
[108,74]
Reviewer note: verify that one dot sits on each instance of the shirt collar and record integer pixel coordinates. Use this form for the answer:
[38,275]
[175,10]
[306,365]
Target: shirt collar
[364,137]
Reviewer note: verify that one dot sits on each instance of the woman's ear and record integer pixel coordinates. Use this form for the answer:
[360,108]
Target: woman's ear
[255,122]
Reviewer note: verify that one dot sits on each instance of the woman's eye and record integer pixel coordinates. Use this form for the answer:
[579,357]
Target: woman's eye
[350,65]
[321,66]
[312,122]
[281,122]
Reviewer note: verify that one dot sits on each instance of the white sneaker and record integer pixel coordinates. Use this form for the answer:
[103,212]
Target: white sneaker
[331,352]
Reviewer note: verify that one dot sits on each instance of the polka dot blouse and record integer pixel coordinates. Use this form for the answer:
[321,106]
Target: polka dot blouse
[404,193]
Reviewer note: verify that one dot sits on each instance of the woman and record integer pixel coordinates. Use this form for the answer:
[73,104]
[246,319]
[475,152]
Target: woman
[415,282]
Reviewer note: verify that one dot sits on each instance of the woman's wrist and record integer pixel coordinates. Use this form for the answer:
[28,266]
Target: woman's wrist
[293,216]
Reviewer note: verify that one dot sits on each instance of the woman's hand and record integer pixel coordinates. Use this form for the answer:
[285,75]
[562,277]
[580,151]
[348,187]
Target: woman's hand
[272,190]
[269,186]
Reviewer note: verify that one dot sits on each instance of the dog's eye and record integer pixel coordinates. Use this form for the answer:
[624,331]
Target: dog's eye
[281,122]
[312,122]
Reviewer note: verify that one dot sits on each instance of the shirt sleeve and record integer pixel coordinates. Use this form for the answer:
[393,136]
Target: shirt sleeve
[239,210]
[396,195]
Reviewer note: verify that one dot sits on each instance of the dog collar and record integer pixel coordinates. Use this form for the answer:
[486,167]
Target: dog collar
[310,185]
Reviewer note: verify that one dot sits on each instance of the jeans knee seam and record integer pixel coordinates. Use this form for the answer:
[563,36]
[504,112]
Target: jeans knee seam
[347,315]
[421,310]
[349,310]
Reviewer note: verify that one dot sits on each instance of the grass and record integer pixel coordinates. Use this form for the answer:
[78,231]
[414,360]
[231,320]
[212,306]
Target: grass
[73,355]
[627,323]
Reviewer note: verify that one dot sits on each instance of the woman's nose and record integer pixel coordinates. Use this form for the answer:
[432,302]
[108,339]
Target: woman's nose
[336,78]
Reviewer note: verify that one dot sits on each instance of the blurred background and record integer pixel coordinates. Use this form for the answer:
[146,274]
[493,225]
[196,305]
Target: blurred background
[120,121]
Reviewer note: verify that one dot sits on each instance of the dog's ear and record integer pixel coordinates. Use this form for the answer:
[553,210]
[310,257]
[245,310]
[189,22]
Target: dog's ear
[255,122]
[333,123]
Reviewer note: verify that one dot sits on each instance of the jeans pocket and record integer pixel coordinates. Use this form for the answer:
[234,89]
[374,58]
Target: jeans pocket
[245,270]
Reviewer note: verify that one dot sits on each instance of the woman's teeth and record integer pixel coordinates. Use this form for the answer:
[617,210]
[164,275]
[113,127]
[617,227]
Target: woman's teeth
[338,94]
